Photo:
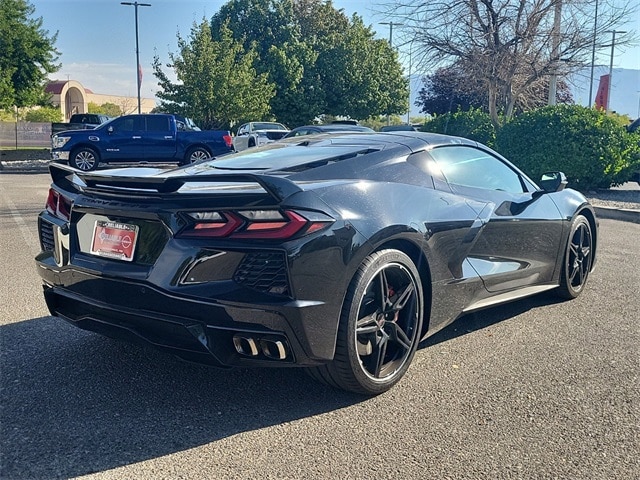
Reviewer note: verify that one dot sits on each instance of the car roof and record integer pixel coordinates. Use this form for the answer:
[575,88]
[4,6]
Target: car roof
[412,139]
[335,127]
[297,151]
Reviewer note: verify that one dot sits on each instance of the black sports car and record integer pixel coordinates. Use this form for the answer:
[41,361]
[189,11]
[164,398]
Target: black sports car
[338,253]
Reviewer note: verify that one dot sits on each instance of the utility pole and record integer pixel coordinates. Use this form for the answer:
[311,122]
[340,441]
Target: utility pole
[613,45]
[593,54]
[391,24]
[138,68]
[555,49]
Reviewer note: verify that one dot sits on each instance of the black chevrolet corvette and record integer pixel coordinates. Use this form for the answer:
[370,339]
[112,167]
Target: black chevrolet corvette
[338,252]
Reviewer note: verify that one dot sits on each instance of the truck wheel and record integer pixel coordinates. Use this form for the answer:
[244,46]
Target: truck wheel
[195,154]
[85,159]
[252,143]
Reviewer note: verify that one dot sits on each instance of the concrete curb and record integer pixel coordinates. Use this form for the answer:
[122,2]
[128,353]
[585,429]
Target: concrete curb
[624,215]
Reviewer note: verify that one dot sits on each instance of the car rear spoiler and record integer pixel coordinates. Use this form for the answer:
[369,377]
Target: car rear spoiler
[71,179]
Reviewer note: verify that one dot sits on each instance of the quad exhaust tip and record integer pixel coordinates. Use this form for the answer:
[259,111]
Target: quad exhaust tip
[245,346]
[252,347]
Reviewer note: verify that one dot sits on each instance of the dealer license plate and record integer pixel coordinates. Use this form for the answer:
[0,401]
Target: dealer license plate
[114,240]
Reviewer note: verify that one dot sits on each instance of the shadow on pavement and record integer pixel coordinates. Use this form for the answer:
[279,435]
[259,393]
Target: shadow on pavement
[76,403]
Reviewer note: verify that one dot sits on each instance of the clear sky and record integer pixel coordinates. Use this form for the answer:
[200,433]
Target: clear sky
[96,38]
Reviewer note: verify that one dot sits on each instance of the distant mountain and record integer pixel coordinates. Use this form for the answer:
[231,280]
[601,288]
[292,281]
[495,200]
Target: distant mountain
[625,89]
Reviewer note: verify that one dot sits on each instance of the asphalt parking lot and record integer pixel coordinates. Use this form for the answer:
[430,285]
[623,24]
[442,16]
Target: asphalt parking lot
[536,389]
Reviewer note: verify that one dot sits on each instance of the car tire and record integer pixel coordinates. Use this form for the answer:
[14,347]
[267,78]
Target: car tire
[380,326]
[252,143]
[85,159]
[196,154]
[578,259]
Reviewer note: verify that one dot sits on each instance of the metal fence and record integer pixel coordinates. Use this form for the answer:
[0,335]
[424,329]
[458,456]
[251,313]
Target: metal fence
[25,135]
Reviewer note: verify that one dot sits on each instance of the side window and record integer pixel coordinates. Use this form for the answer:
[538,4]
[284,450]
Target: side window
[158,123]
[242,130]
[129,124]
[472,167]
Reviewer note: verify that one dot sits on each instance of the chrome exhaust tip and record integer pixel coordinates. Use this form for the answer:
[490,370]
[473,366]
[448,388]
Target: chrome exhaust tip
[273,349]
[245,346]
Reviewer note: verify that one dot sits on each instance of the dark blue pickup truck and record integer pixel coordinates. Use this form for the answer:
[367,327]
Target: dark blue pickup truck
[139,138]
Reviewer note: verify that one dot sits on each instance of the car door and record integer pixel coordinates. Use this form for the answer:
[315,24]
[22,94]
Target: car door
[241,140]
[159,138]
[124,139]
[520,238]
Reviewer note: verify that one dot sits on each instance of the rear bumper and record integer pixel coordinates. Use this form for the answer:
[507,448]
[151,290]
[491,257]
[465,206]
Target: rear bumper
[218,333]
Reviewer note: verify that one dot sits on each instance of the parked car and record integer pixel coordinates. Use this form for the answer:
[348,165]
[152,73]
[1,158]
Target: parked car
[254,134]
[339,254]
[405,127]
[136,138]
[80,121]
[328,128]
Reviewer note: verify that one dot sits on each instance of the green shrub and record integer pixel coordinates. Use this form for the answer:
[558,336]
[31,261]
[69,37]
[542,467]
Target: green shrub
[591,148]
[473,124]
[110,109]
[44,114]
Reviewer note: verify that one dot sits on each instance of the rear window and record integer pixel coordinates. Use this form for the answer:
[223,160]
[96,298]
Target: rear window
[283,156]
[158,124]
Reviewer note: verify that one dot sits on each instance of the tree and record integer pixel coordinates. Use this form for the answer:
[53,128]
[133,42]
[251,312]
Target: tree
[362,75]
[509,44]
[27,55]
[269,27]
[217,84]
[44,114]
[319,60]
[450,89]
[110,109]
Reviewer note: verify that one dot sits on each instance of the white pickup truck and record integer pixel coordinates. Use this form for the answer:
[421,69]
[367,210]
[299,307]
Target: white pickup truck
[254,134]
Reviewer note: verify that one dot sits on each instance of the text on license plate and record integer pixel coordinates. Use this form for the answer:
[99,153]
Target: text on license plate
[114,240]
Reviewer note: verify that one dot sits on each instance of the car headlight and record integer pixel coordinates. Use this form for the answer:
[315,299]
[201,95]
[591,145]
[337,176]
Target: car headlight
[58,142]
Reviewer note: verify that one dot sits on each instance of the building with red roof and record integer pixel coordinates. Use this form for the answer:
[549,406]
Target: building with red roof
[72,97]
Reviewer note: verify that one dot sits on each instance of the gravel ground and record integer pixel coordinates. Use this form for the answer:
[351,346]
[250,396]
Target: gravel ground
[626,197]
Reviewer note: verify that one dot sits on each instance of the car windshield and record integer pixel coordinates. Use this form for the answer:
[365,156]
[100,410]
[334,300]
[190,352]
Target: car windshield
[268,126]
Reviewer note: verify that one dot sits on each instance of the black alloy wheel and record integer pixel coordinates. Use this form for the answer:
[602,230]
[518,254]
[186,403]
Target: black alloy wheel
[578,259]
[379,327]
[85,159]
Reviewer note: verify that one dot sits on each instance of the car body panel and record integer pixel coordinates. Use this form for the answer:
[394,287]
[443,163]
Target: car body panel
[192,295]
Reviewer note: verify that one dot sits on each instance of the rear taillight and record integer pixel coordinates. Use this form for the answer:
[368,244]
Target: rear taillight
[253,224]
[58,205]
[228,140]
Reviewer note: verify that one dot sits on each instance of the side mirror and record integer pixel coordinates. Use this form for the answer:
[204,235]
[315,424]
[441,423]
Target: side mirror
[110,129]
[553,182]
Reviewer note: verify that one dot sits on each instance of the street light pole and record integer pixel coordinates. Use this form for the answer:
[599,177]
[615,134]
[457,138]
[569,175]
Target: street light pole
[391,24]
[613,45]
[136,5]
